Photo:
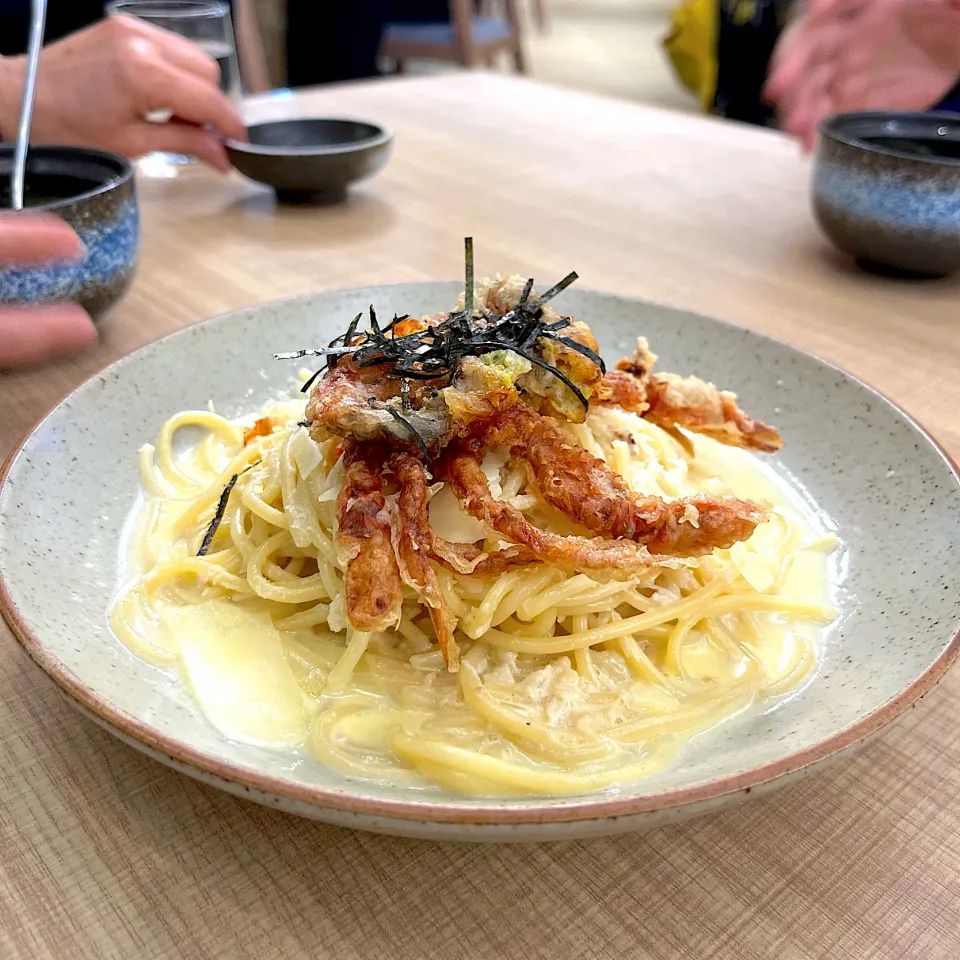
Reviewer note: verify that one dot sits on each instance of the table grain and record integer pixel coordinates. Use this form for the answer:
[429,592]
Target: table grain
[106,854]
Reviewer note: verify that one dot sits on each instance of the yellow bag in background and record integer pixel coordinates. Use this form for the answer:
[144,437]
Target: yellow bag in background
[692,46]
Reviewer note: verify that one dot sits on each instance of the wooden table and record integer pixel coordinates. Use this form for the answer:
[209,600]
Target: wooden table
[106,854]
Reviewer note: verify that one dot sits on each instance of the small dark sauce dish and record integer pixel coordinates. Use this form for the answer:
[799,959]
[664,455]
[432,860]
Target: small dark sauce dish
[886,190]
[311,160]
[95,193]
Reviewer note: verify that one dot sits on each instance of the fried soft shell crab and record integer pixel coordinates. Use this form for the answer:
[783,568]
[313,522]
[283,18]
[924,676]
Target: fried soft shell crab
[421,400]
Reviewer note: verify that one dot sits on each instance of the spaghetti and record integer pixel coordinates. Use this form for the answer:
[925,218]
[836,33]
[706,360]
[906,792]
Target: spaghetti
[568,682]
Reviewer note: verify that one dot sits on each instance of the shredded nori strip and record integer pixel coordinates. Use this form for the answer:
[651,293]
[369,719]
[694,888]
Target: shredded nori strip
[310,380]
[527,290]
[580,348]
[221,510]
[435,353]
[468,277]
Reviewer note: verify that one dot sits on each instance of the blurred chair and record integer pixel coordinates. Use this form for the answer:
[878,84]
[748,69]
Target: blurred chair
[539,11]
[540,14]
[466,39]
[250,50]
[271,18]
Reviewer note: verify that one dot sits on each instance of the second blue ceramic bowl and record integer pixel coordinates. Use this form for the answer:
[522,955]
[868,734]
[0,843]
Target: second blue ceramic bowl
[95,193]
[886,189]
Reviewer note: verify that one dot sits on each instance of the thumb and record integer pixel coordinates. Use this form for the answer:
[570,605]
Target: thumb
[28,239]
[34,334]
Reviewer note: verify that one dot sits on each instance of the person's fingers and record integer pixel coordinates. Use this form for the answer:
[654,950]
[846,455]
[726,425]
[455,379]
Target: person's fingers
[818,112]
[812,104]
[799,122]
[29,239]
[173,48]
[934,27]
[829,8]
[189,57]
[781,81]
[806,119]
[778,83]
[867,66]
[187,138]
[806,107]
[35,334]
[824,30]
[833,12]
[165,87]
[790,62]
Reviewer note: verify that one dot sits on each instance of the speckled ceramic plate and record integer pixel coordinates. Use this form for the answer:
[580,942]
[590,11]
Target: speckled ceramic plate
[891,493]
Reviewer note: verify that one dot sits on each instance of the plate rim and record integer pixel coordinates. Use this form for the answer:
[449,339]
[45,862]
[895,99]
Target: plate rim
[468,812]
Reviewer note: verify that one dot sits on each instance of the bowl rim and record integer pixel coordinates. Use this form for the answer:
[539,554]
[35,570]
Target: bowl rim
[383,136]
[832,128]
[589,808]
[59,149]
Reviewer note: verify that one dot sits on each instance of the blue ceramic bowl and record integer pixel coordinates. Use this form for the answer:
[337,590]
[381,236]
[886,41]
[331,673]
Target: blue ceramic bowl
[886,190]
[95,193]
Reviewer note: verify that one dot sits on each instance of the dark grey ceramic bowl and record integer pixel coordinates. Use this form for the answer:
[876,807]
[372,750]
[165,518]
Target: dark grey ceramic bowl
[312,160]
[95,193]
[886,190]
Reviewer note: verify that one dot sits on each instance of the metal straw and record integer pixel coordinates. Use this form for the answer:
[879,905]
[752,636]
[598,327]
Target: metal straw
[38,20]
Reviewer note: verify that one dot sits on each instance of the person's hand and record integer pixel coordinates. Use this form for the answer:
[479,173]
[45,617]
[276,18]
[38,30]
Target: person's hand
[36,333]
[96,87]
[844,55]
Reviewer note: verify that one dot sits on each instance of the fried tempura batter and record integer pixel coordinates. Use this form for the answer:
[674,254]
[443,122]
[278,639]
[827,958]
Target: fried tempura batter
[402,405]
[670,401]
[469,483]
[372,584]
[700,407]
[590,493]
[413,544]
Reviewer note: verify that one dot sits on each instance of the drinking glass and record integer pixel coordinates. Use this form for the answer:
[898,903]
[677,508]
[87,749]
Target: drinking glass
[208,24]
